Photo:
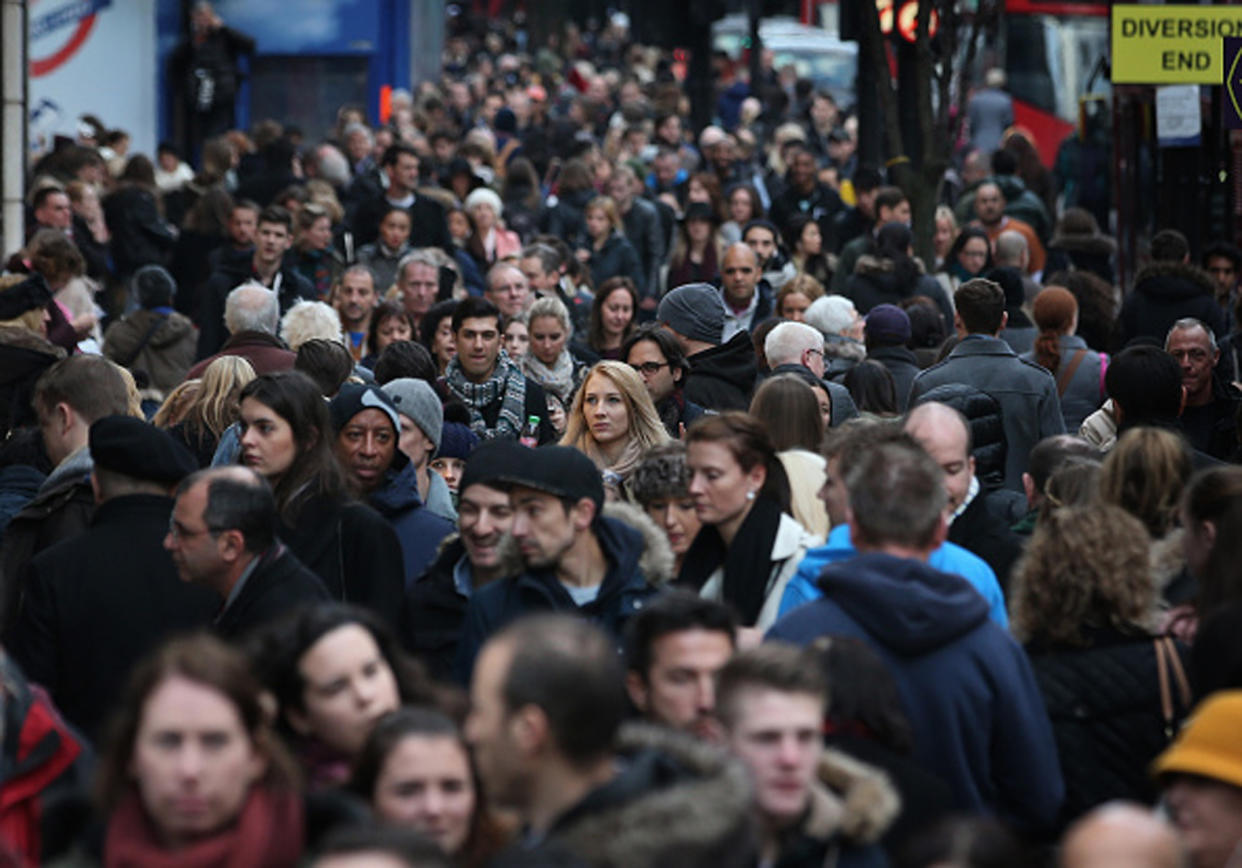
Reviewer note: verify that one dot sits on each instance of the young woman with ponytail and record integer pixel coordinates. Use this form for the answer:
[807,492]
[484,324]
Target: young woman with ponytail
[1079,371]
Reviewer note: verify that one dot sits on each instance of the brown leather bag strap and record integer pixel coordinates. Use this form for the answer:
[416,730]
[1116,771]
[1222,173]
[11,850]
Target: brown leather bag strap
[1063,381]
[1167,659]
[1179,673]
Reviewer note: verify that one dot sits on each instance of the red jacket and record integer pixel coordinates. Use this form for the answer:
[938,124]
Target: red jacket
[39,753]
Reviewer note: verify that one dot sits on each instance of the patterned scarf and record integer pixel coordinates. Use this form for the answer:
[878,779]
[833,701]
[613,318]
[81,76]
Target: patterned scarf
[506,386]
[558,379]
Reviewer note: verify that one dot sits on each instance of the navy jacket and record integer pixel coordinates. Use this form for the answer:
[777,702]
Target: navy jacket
[626,585]
[420,530]
[978,717]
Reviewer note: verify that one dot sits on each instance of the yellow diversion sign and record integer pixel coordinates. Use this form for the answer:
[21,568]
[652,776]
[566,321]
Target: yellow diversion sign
[1171,44]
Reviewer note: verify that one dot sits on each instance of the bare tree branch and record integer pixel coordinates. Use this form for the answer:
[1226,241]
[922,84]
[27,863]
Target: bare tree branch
[985,9]
[872,45]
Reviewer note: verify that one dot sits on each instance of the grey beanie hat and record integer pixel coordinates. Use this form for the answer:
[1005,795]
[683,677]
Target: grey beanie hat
[695,311]
[416,399]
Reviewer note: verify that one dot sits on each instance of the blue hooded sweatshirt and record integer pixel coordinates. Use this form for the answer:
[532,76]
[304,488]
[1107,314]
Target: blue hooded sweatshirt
[419,529]
[949,558]
[978,717]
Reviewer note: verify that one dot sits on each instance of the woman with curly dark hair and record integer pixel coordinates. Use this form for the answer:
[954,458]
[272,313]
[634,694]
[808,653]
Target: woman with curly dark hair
[1084,607]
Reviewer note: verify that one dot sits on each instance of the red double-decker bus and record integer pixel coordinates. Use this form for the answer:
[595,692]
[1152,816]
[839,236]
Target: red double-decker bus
[1052,52]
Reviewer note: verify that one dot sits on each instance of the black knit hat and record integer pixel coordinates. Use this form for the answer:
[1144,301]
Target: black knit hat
[31,293]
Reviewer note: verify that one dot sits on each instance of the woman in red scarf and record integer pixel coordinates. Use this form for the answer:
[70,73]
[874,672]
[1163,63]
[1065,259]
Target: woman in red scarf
[195,776]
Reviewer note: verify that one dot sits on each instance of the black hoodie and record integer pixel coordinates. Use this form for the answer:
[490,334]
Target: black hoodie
[722,378]
[1163,293]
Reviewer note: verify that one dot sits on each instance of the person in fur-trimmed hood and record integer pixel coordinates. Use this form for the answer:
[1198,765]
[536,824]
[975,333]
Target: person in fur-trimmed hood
[814,807]
[547,705]
[576,556]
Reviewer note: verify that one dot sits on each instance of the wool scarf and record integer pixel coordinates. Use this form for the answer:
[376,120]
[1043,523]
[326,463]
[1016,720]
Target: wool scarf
[747,562]
[557,378]
[506,386]
[269,833]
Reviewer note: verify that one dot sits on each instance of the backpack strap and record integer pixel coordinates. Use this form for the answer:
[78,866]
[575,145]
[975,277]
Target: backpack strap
[142,344]
[1063,381]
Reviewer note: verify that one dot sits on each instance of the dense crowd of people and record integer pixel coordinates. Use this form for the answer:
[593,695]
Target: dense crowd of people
[525,478]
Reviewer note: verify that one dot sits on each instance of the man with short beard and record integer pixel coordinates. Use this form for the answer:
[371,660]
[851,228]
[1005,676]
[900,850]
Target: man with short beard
[481,553]
[354,300]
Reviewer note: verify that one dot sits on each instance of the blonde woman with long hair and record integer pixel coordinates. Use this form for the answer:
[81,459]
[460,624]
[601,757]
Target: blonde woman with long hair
[613,420]
[177,404]
[214,408]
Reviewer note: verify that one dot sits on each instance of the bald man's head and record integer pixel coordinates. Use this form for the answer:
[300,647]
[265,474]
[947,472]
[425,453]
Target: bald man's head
[740,274]
[1121,835]
[945,435]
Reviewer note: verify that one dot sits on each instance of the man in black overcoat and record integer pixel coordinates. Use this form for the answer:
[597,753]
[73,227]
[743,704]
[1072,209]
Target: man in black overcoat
[97,603]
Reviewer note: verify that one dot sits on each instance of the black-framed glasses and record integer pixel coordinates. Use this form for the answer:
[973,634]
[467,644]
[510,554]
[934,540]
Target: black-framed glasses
[176,531]
[649,367]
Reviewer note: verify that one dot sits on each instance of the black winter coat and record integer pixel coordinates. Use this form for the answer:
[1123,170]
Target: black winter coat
[428,227]
[904,367]
[1104,704]
[1163,293]
[279,584]
[644,231]
[233,273]
[723,377]
[617,258]
[987,427]
[190,267]
[433,611]
[62,509]
[875,281]
[139,234]
[564,217]
[24,356]
[353,549]
[639,561]
[96,604]
[981,531]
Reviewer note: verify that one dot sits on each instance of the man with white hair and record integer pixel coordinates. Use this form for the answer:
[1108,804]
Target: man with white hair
[797,348]
[329,164]
[266,266]
[795,343]
[252,315]
[842,327]
[308,321]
